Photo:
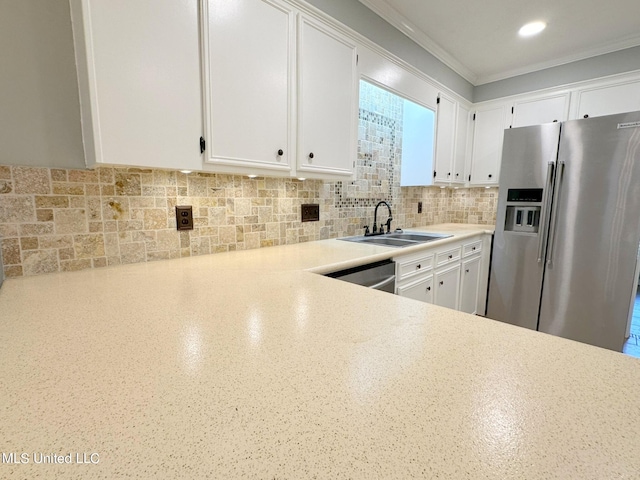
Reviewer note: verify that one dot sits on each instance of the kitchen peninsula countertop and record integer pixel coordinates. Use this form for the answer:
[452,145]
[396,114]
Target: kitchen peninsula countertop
[248,365]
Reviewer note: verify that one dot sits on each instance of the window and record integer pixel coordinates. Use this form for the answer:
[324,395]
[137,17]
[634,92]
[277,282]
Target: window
[395,139]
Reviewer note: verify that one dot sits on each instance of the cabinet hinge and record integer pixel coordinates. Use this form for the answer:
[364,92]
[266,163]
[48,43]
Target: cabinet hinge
[469,177]
[512,110]
[434,174]
[202,144]
[438,100]
[474,117]
[357,59]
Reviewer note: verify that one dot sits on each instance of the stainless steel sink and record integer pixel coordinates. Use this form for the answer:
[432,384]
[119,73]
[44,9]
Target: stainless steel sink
[381,240]
[416,236]
[397,239]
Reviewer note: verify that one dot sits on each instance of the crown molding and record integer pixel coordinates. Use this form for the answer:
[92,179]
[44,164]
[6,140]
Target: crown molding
[409,29]
[404,25]
[611,47]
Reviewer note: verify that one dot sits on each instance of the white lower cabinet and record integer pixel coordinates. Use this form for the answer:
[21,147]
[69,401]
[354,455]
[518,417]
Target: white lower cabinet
[451,276]
[469,283]
[447,286]
[421,289]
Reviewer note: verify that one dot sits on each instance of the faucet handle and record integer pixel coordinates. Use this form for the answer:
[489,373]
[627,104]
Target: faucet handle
[382,228]
[366,229]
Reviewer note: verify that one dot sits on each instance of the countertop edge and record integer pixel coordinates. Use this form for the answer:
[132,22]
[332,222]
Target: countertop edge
[396,252]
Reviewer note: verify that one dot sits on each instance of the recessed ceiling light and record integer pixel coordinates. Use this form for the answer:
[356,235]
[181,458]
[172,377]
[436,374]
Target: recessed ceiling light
[532,28]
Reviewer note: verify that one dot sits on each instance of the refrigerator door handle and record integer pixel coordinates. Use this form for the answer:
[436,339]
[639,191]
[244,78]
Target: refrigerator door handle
[554,214]
[543,220]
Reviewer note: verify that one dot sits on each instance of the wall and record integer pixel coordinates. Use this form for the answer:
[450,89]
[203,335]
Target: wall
[64,219]
[622,61]
[40,108]
[60,220]
[359,18]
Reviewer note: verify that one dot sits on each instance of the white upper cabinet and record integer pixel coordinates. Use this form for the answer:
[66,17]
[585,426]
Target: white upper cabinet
[280,92]
[608,100]
[542,110]
[449,148]
[445,140]
[462,145]
[489,125]
[249,79]
[139,81]
[328,101]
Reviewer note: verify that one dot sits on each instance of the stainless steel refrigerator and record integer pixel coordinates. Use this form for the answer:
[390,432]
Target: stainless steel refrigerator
[567,228]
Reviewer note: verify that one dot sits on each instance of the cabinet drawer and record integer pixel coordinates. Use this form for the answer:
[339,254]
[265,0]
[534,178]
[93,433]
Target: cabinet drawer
[447,257]
[413,265]
[471,248]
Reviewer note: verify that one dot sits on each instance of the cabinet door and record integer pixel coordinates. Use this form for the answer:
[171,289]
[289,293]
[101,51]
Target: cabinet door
[421,289]
[461,150]
[445,140]
[447,282]
[489,125]
[469,284]
[609,100]
[544,110]
[139,81]
[327,101]
[249,78]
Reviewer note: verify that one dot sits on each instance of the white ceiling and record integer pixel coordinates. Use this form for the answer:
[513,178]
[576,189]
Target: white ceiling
[479,39]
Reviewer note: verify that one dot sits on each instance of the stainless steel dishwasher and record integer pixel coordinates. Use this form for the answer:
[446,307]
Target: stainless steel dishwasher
[378,275]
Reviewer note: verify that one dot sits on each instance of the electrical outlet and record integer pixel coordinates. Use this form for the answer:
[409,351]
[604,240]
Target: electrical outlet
[310,212]
[184,217]
[419,207]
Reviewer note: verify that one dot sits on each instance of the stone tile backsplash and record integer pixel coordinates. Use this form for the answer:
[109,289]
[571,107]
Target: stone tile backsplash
[60,220]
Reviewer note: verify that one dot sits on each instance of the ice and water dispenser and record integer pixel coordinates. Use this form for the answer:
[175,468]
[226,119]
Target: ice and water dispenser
[523,210]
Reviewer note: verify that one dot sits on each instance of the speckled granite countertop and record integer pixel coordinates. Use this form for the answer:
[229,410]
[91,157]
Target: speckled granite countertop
[245,366]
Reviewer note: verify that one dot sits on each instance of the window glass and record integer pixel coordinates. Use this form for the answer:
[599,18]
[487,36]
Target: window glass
[395,137]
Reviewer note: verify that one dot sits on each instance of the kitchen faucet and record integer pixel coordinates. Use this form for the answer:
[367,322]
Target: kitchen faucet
[375,231]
